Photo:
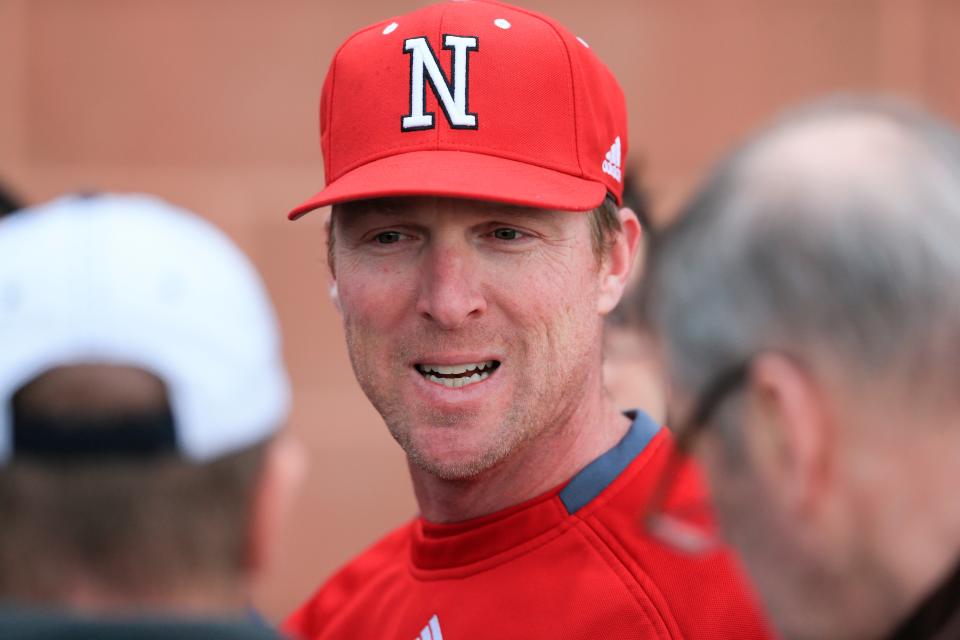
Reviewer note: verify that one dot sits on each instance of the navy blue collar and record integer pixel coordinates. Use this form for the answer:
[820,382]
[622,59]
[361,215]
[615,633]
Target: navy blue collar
[597,476]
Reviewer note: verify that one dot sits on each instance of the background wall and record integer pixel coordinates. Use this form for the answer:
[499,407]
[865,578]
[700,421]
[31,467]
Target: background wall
[212,104]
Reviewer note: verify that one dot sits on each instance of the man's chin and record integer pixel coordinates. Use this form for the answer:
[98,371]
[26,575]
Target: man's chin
[454,447]
[448,456]
[458,466]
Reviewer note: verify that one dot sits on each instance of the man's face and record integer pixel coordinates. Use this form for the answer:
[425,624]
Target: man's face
[472,327]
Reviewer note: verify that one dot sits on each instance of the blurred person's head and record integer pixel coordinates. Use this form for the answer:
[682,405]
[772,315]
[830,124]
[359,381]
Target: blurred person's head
[807,305]
[142,389]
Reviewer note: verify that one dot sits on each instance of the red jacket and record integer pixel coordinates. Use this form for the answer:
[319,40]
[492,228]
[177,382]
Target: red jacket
[572,564]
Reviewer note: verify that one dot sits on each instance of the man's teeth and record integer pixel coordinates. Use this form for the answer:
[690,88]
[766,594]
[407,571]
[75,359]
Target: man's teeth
[456,383]
[455,369]
[464,374]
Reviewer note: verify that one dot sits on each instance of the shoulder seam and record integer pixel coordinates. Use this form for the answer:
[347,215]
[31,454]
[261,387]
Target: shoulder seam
[598,542]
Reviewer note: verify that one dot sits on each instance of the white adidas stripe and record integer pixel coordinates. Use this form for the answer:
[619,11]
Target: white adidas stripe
[432,630]
[612,161]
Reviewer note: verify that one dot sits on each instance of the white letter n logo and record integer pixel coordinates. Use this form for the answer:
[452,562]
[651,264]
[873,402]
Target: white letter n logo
[452,96]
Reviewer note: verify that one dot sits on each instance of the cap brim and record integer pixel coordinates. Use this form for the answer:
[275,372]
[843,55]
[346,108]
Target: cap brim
[460,174]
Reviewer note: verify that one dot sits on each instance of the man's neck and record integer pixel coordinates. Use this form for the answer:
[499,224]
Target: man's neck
[540,465]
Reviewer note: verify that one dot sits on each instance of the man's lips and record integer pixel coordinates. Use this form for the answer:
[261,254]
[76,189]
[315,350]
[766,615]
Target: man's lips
[457,375]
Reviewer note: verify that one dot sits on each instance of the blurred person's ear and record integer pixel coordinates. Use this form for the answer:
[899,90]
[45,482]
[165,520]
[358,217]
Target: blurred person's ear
[284,469]
[789,435]
[618,264]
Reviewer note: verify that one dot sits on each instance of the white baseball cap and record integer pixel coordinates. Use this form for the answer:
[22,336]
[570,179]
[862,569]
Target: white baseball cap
[132,280]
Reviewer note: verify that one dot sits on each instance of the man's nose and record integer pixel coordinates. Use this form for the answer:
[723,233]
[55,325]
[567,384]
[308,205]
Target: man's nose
[450,292]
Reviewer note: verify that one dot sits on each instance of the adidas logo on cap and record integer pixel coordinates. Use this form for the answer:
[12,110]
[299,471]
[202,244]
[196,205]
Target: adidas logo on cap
[432,630]
[611,163]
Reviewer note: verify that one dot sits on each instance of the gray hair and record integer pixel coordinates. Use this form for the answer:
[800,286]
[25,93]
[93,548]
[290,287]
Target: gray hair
[854,263]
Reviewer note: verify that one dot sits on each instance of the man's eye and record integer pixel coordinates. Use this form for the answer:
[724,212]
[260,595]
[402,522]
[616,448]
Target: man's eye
[388,237]
[506,234]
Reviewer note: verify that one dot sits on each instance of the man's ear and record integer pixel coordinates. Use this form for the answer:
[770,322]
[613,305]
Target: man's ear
[790,436]
[618,262]
[282,473]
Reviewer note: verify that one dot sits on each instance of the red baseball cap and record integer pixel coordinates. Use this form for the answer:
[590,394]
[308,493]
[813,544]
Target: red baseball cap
[471,99]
